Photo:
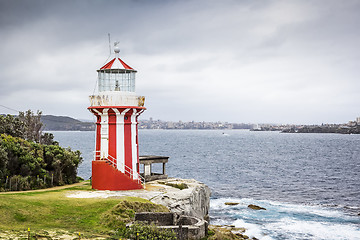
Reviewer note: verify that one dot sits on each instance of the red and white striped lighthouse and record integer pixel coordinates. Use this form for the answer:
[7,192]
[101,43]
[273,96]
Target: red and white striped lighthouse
[116,107]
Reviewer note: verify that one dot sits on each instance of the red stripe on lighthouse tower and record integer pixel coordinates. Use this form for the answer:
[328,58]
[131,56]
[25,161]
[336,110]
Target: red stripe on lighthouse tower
[137,167]
[133,143]
[98,136]
[127,136]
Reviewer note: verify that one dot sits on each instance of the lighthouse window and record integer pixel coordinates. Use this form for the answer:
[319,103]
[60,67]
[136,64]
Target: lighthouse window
[116,81]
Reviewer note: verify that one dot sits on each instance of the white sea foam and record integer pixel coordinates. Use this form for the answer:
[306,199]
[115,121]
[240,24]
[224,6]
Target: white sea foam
[252,230]
[290,221]
[297,208]
[352,207]
[219,221]
[315,230]
[219,204]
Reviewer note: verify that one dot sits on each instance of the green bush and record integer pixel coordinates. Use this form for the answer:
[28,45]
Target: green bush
[28,165]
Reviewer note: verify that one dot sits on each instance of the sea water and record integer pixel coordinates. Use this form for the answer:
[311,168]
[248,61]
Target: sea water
[308,183]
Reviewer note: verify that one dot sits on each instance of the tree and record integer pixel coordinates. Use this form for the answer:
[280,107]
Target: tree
[12,125]
[3,161]
[27,126]
[32,125]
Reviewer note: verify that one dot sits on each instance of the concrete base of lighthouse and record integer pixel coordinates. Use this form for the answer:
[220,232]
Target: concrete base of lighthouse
[106,177]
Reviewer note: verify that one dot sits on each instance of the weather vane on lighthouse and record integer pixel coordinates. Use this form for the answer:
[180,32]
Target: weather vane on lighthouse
[116,106]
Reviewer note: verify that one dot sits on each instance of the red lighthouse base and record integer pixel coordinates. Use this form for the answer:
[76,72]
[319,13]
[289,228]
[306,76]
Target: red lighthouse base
[106,177]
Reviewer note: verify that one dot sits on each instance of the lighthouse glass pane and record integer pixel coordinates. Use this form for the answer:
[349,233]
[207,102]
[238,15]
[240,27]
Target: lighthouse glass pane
[101,81]
[116,81]
[109,81]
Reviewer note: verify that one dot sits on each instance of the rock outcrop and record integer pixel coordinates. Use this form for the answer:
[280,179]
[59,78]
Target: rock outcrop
[231,203]
[182,196]
[255,207]
[191,201]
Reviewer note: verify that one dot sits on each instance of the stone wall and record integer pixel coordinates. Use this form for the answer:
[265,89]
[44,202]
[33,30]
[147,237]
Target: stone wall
[157,218]
[185,227]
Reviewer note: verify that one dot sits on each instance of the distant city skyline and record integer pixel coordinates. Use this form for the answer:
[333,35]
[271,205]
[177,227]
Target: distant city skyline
[261,61]
[65,123]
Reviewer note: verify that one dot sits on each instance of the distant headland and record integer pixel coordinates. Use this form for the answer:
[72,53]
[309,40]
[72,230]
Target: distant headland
[352,127]
[65,123]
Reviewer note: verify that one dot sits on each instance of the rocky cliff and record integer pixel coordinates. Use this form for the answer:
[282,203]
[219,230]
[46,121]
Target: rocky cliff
[184,196]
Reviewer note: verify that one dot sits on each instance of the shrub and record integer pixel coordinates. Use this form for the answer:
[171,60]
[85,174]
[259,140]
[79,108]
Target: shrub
[27,165]
[142,231]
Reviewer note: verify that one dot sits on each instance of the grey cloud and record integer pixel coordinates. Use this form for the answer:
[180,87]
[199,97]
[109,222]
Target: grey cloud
[234,56]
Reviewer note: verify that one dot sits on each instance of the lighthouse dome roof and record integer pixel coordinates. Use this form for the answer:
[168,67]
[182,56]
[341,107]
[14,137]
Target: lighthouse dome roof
[117,63]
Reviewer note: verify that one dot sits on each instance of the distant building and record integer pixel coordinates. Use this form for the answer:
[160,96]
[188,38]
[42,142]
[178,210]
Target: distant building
[352,124]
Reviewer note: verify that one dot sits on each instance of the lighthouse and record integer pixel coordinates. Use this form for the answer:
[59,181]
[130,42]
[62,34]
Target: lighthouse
[116,107]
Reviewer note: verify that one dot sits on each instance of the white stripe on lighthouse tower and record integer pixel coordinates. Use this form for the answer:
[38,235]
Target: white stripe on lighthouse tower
[119,140]
[104,145]
[134,144]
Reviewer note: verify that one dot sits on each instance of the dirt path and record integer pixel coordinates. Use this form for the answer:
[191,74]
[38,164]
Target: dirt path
[47,189]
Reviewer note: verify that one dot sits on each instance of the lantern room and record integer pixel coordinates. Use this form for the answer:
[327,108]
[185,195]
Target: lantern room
[116,75]
[116,84]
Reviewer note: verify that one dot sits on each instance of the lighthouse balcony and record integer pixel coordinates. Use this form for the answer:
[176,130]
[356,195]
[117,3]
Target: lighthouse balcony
[117,99]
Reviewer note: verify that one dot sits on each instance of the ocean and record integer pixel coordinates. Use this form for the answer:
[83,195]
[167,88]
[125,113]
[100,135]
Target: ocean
[308,183]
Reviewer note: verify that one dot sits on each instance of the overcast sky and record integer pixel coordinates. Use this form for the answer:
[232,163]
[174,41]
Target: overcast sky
[235,61]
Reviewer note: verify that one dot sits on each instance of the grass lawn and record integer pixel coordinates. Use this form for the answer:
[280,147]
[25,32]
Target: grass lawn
[52,210]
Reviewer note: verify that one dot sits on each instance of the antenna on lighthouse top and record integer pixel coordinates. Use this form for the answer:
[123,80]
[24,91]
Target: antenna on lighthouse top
[109,50]
[109,44]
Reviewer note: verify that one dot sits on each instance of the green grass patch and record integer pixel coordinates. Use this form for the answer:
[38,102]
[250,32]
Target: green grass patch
[85,187]
[52,210]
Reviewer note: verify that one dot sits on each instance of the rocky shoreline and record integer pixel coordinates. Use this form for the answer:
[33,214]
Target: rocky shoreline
[185,197]
[188,199]
[194,200]
[324,129]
